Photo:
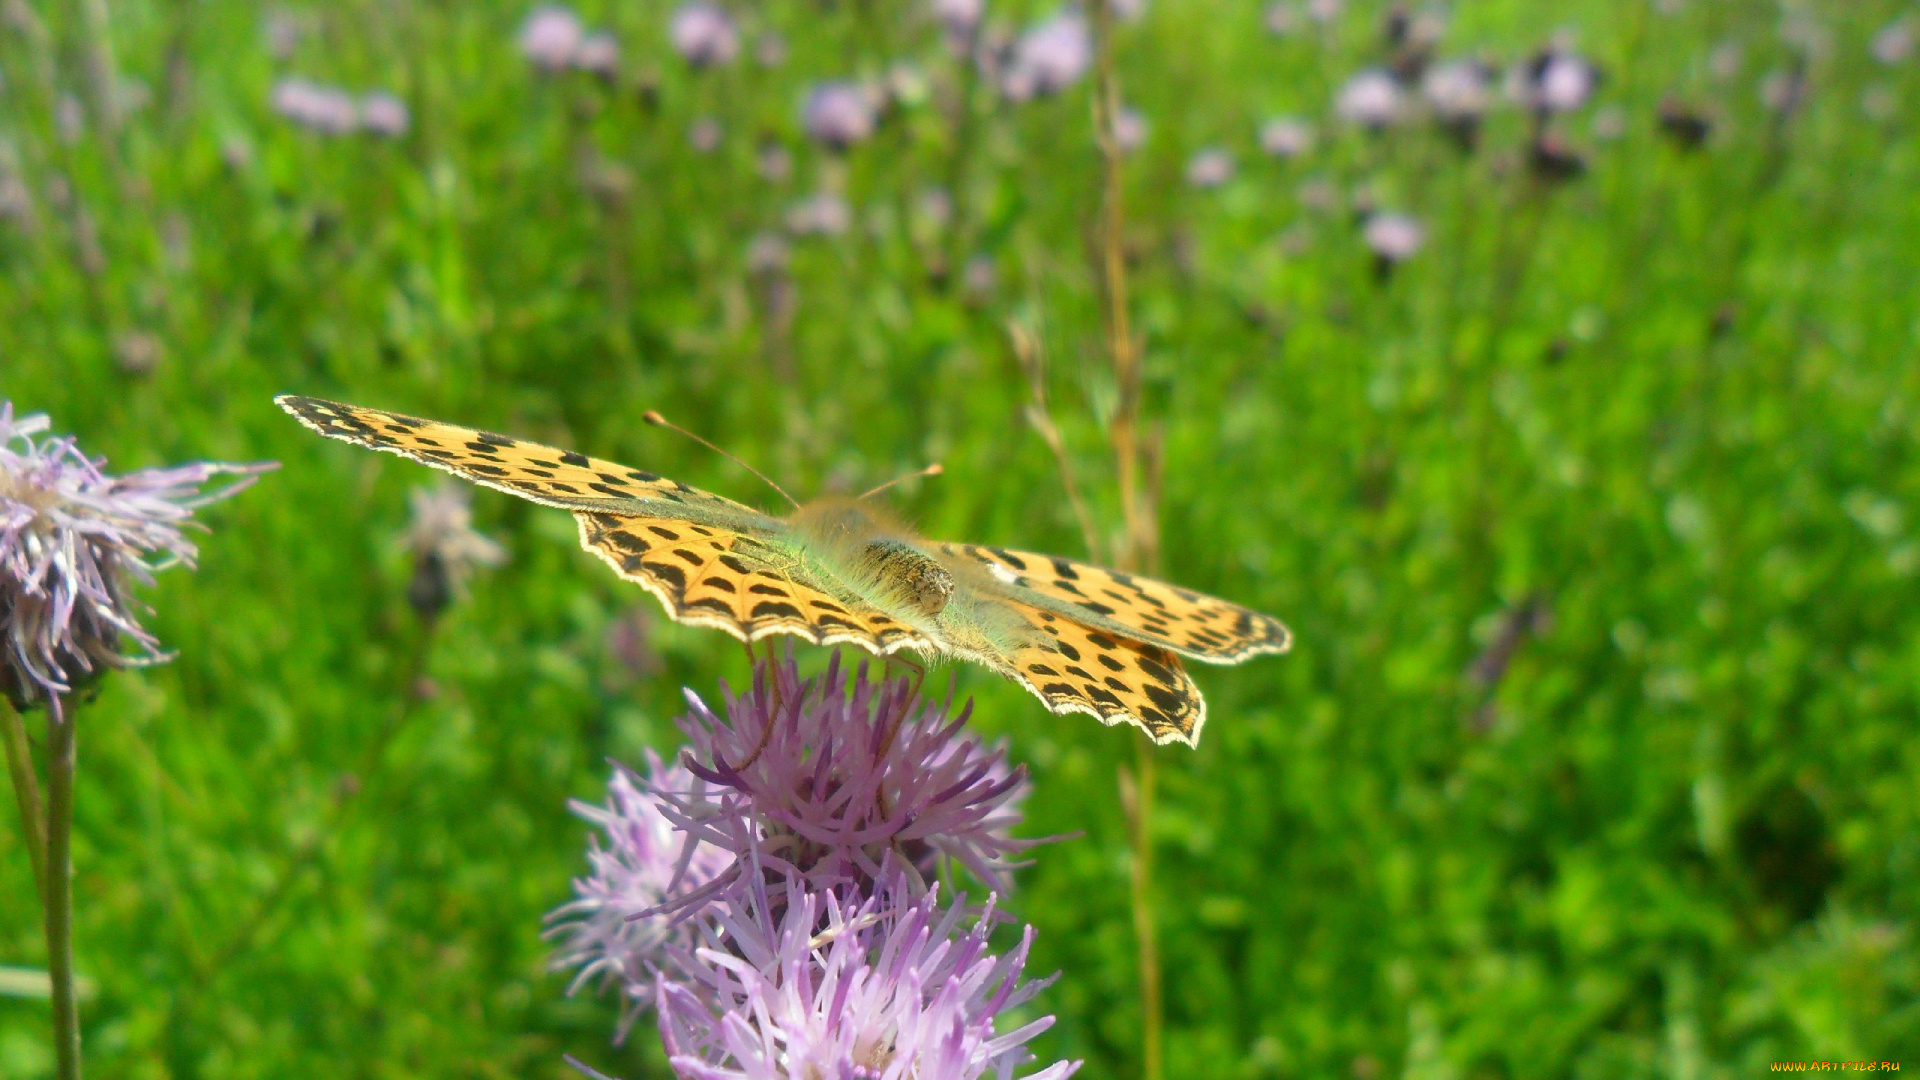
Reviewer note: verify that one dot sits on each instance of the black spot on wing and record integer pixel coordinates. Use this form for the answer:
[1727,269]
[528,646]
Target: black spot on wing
[775,608]
[574,458]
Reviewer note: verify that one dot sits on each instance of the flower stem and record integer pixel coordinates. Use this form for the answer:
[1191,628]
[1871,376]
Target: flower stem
[1141,536]
[59,890]
[26,791]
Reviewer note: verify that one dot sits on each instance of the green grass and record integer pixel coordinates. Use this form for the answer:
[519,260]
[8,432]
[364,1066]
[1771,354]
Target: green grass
[1672,401]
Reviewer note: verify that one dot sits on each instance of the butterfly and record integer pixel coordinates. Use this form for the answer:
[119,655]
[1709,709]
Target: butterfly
[841,571]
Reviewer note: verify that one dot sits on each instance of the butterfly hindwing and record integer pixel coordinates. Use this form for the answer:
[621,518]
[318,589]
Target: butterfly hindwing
[1189,623]
[707,575]
[538,473]
[1074,667]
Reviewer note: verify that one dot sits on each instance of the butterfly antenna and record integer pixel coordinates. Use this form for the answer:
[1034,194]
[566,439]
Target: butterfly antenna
[657,420]
[932,470]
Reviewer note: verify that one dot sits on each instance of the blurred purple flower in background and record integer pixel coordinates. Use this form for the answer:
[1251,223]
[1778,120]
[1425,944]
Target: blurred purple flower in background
[1554,81]
[1371,99]
[704,135]
[446,547]
[1286,137]
[1324,11]
[958,18]
[823,213]
[325,109]
[1784,90]
[773,162]
[1895,41]
[1459,92]
[383,114]
[704,34]
[1050,57]
[888,986]
[770,51]
[642,863]
[598,53]
[550,37]
[1129,129]
[837,114]
[1210,168]
[1393,238]
[72,542]
[1723,63]
[1280,19]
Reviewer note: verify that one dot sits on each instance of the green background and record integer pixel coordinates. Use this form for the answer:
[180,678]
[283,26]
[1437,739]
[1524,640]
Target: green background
[1654,426]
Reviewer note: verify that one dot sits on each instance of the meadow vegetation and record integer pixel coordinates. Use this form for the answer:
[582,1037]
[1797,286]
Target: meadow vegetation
[1562,401]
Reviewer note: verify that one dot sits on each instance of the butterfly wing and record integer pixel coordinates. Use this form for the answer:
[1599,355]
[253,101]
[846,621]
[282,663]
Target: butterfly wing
[746,585]
[1181,620]
[534,472]
[1077,668]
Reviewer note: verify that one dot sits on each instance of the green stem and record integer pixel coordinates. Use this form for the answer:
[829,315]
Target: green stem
[1142,535]
[59,891]
[26,791]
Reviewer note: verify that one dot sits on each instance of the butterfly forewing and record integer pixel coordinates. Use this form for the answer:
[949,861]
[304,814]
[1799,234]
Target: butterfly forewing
[539,473]
[708,575]
[1189,623]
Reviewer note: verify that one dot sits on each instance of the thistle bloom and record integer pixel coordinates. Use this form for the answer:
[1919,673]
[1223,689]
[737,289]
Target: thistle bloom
[1393,238]
[72,539]
[1049,58]
[1555,81]
[1370,99]
[837,114]
[836,777]
[446,547]
[704,35]
[1286,137]
[1458,91]
[1129,129]
[551,36]
[383,114]
[643,863]
[598,53]
[325,109]
[793,983]
[821,214]
[1210,168]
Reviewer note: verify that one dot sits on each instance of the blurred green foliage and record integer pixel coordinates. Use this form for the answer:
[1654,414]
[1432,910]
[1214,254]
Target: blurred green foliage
[1595,520]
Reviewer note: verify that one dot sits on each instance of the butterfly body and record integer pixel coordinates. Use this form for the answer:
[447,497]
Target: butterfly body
[842,571]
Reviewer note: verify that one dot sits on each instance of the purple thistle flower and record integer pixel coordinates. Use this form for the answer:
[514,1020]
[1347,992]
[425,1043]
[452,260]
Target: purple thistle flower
[705,135]
[1371,99]
[1286,137]
[837,777]
[446,547]
[958,18]
[383,114]
[550,37]
[794,983]
[837,114]
[1555,81]
[704,34]
[1129,129]
[598,54]
[71,540]
[820,214]
[1210,168]
[644,863]
[1049,58]
[325,109]
[1895,41]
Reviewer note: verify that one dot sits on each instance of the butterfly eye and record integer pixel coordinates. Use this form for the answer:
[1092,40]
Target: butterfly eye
[921,582]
